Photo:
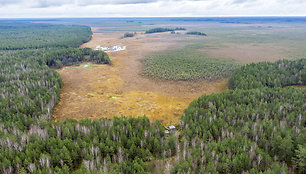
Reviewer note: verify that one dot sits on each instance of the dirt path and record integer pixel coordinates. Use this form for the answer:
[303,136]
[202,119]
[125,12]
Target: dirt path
[107,91]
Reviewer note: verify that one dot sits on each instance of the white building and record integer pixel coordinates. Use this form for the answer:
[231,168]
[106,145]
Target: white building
[111,49]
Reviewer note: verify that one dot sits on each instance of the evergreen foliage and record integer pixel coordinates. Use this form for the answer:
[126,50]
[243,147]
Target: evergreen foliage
[240,131]
[119,145]
[74,56]
[186,65]
[255,128]
[278,74]
[29,90]
[22,35]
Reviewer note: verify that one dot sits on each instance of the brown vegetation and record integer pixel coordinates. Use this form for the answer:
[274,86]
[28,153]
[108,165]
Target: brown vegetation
[107,91]
[247,52]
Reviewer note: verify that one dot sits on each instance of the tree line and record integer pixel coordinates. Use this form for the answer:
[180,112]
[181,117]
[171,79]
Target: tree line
[196,33]
[129,35]
[74,56]
[161,29]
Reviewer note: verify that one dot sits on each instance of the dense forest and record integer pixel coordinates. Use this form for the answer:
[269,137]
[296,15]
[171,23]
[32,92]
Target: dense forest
[252,129]
[29,90]
[278,74]
[119,145]
[23,35]
[259,127]
[243,131]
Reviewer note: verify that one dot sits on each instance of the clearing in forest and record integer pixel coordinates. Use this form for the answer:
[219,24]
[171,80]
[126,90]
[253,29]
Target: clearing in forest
[120,89]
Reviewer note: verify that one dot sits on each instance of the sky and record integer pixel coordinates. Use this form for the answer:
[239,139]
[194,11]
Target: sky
[149,8]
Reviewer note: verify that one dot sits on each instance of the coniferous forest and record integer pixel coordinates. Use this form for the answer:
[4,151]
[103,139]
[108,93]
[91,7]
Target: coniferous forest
[278,74]
[257,127]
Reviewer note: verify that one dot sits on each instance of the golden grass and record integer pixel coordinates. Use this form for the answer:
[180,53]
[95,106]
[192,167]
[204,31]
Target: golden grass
[108,91]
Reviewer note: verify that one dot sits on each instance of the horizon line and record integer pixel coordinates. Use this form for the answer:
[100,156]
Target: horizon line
[213,16]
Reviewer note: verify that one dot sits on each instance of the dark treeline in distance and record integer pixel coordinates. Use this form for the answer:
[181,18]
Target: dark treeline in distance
[129,35]
[179,28]
[196,33]
[160,29]
[254,130]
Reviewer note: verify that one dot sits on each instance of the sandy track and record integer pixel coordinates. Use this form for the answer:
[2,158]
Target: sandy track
[120,89]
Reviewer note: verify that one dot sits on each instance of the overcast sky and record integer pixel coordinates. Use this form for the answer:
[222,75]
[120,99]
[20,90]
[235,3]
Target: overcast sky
[148,8]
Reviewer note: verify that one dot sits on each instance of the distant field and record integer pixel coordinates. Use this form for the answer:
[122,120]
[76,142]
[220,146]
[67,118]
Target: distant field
[241,39]
[187,65]
[251,42]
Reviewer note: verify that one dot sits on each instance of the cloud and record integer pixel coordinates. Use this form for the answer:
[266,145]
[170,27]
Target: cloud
[55,3]
[51,3]
[6,2]
[241,1]
[149,8]
[115,2]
